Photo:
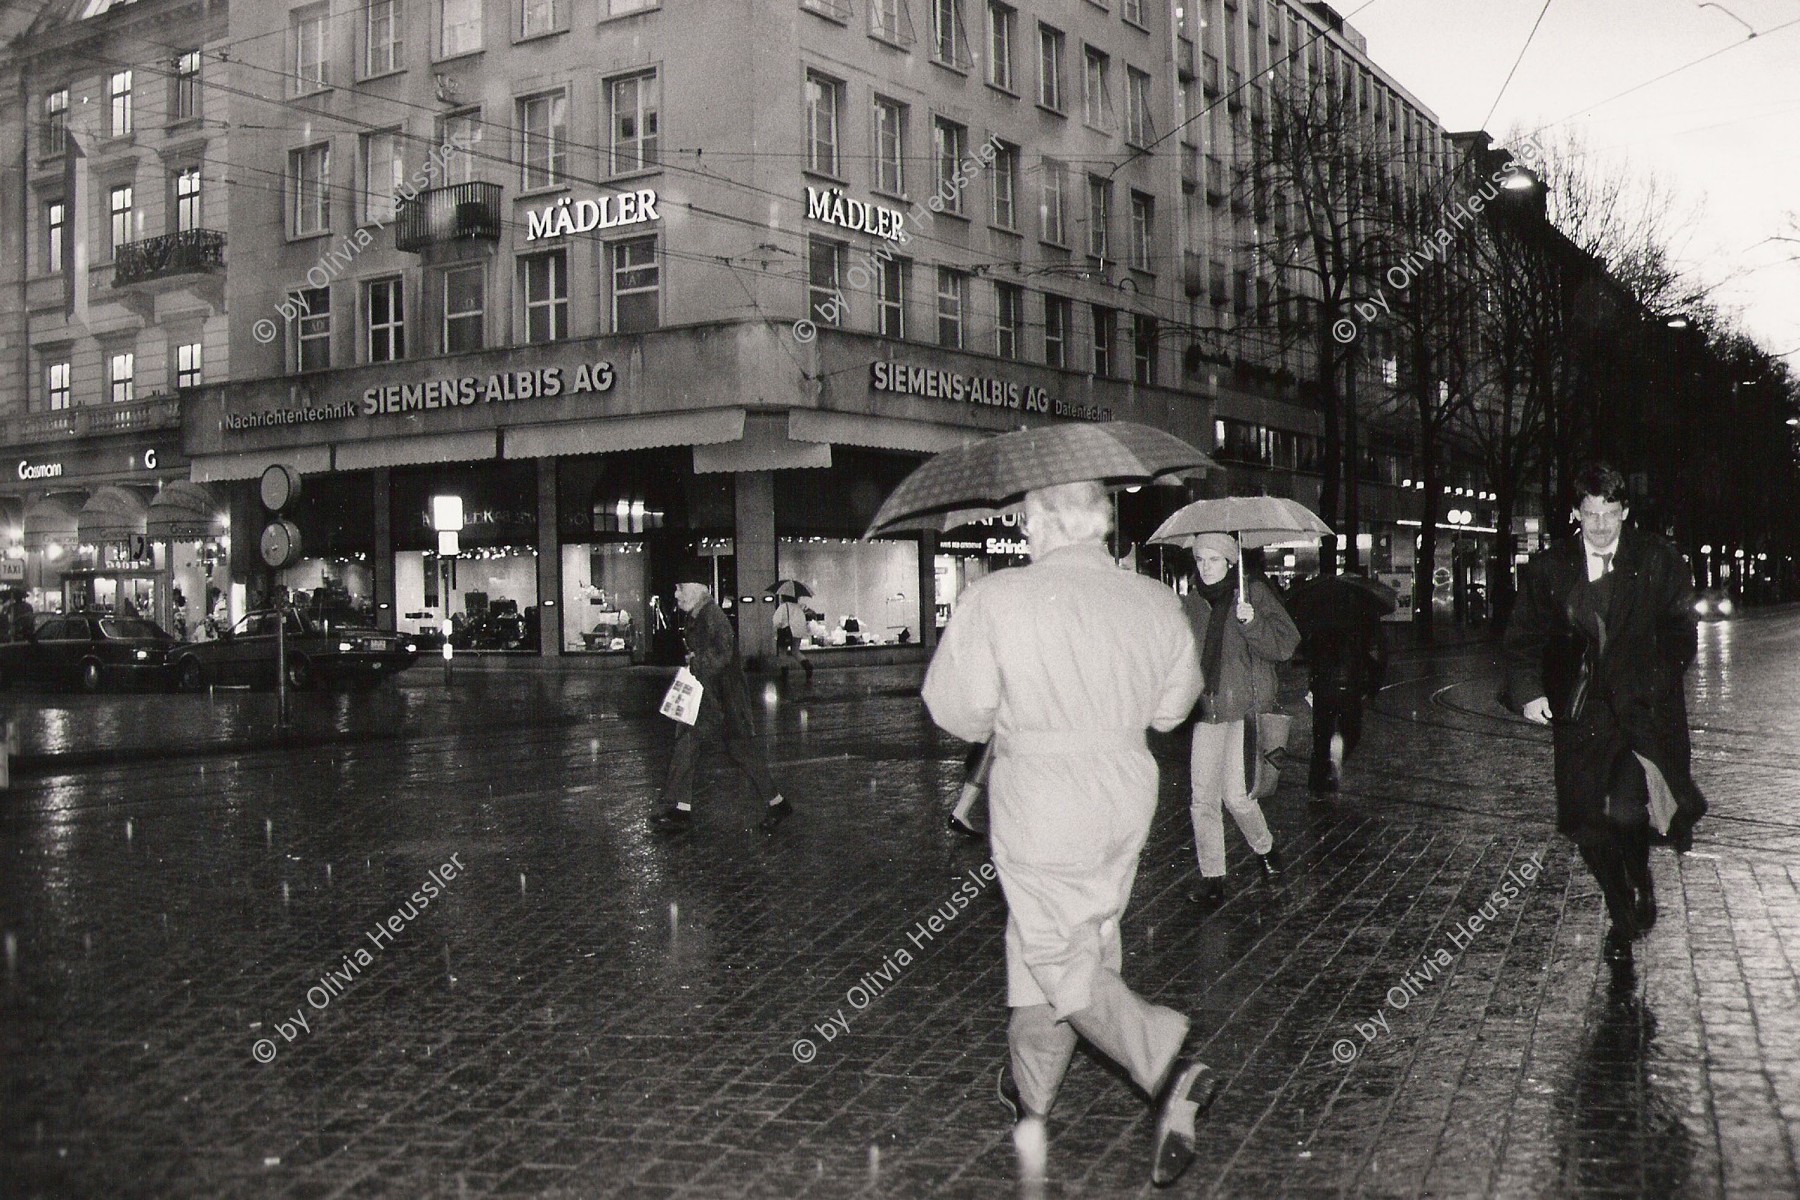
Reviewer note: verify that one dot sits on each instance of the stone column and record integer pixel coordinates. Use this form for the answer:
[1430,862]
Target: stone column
[928,589]
[549,563]
[381,563]
[755,545]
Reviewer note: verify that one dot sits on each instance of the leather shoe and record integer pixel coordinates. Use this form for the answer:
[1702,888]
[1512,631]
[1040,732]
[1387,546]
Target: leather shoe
[1617,947]
[1210,893]
[957,825]
[672,820]
[1643,912]
[776,813]
[1271,862]
[1185,1097]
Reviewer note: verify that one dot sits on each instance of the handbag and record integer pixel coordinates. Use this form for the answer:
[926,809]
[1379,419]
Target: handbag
[1266,737]
[682,701]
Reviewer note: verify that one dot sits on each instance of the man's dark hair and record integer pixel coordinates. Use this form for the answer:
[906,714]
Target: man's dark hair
[1600,480]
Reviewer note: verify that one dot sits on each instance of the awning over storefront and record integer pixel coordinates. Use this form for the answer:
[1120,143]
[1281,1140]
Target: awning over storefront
[185,511]
[882,433]
[250,464]
[646,431]
[51,520]
[112,514]
[765,446]
[409,451]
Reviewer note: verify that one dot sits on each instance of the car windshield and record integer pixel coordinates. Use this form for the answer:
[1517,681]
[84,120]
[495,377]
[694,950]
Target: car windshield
[131,628]
[337,616]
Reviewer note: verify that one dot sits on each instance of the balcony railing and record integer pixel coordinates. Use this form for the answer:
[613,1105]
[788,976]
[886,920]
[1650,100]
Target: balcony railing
[448,214]
[157,412]
[189,252]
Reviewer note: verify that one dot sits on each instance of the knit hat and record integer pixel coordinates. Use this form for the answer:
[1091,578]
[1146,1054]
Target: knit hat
[694,570]
[1222,544]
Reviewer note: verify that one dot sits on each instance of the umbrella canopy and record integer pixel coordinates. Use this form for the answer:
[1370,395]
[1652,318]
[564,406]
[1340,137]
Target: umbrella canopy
[1338,602]
[988,477]
[1253,520]
[791,589]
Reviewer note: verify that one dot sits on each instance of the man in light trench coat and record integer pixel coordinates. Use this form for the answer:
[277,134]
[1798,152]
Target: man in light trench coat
[1065,663]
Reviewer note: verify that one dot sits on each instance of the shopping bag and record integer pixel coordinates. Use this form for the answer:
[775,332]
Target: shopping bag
[1264,767]
[682,701]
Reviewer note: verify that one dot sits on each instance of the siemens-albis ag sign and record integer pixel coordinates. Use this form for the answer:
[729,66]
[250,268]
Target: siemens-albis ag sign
[901,379]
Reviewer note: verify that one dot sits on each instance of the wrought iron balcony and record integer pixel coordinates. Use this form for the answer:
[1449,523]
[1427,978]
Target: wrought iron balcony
[448,214]
[189,252]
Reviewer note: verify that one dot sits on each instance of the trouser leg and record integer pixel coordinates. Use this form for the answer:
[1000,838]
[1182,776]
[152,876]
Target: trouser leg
[1041,1049]
[1245,809]
[1143,1038]
[1325,719]
[1606,860]
[749,761]
[684,761]
[1206,767]
[1350,721]
[1634,853]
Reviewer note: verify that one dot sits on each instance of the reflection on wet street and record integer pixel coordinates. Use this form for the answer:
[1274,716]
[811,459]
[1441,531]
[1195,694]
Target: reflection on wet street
[424,943]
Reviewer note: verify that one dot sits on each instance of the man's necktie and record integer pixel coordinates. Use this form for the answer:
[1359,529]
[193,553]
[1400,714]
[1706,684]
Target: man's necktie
[1606,562]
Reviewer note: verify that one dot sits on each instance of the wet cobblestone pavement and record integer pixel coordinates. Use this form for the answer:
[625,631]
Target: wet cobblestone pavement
[582,1008]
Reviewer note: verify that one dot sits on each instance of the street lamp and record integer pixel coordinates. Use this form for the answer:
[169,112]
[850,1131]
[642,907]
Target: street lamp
[447,520]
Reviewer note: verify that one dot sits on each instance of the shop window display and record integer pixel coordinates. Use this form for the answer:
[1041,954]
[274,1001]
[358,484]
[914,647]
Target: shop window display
[605,601]
[864,593]
[493,604]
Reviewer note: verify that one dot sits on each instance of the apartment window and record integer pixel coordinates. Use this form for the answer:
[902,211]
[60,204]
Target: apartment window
[381,37]
[1003,181]
[1133,11]
[463,129]
[382,173]
[542,16]
[384,311]
[306,34]
[187,365]
[1001,19]
[1137,107]
[1096,102]
[1105,323]
[121,370]
[459,27]
[890,146]
[1143,229]
[947,33]
[1050,80]
[56,386]
[187,199]
[636,286]
[56,122]
[824,280]
[634,102]
[1009,307]
[186,105]
[1052,214]
[952,307]
[118,204]
[118,91]
[888,20]
[890,298]
[544,282]
[543,139]
[824,108]
[1099,216]
[1056,330]
[465,309]
[1143,348]
[56,231]
[949,145]
[312,328]
[309,182]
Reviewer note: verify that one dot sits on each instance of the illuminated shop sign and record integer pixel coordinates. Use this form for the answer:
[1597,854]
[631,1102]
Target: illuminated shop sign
[31,470]
[566,216]
[460,391]
[900,379]
[834,208]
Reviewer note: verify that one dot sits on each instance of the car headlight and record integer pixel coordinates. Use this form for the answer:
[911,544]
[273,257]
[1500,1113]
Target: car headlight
[1725,607]
[1701,606]
[346,647]
[412,648]
[143,656]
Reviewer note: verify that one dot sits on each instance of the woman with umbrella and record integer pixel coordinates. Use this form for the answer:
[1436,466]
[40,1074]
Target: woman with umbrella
[1242,631]
[790,626]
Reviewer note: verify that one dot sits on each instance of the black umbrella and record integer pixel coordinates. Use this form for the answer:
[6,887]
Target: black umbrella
[1338,602]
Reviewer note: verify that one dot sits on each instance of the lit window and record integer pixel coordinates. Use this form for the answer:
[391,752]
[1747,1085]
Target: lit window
[545,285]
[187,87]
[118,90]
[636,286]
[121,368]
[56,122]
[187,199]
[56,386]
[384,309]
[635,100]
[187,365]
[119,205]
[56,219]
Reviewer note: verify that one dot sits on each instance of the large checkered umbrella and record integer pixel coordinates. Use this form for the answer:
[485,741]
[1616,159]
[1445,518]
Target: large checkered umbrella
[991,476]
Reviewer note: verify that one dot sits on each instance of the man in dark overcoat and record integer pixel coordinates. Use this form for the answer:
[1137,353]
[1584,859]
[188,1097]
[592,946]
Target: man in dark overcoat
[1603,631]
[724,718]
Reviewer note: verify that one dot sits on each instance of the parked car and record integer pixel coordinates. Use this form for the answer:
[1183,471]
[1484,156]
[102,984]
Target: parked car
[1714,604]
[320,652]
[89,649]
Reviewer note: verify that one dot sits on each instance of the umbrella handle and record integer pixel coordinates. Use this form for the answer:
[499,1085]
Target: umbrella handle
[1240,542]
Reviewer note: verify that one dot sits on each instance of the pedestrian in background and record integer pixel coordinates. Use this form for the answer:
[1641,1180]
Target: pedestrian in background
[1065,663]
[1346,658]
[790,631]
[724,719]
[1596,647]
[1242,635]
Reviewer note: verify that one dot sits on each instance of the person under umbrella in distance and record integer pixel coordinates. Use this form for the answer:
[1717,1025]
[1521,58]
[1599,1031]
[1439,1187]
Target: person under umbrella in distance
[1242,634]
[1339,617]
[724,718]
[790,627]
[1064,663]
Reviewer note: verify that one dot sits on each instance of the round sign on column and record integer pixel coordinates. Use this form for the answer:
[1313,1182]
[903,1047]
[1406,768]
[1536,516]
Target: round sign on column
[281,543]
[280,486]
